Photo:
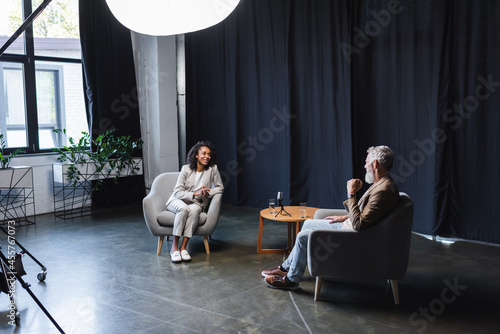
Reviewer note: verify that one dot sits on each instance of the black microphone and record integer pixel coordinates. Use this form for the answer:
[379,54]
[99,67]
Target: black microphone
[280,199]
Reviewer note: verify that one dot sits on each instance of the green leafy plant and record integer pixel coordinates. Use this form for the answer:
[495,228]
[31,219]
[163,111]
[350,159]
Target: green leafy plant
[76,152]
[111,154]
[115,153]
[6,159]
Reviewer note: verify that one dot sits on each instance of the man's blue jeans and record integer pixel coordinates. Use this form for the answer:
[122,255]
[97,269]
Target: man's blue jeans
[296,262]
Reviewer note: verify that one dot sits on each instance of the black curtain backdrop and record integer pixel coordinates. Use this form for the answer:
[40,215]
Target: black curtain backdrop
[292,93]
[108,71]
[110,91]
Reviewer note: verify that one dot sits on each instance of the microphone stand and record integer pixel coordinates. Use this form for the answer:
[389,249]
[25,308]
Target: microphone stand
[282,211]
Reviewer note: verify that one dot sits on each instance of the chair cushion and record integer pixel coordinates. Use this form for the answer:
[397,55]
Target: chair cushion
[166,218]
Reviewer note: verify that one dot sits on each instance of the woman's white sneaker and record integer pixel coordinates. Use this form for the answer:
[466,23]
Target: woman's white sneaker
[175,257]
[185,256]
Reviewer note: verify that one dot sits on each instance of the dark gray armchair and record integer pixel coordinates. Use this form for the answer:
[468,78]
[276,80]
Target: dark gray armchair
[160,222]
[379,251]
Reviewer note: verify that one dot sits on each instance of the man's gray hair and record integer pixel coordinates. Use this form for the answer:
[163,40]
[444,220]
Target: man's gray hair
[383,154]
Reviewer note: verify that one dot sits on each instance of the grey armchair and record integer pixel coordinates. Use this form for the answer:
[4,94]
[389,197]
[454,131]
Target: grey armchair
[379,251]
[160,222]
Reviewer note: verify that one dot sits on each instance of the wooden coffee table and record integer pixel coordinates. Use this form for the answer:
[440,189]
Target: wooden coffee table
[292,221]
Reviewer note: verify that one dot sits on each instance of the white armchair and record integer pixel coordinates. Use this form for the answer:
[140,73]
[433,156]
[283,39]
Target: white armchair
[379,251]
[160,222]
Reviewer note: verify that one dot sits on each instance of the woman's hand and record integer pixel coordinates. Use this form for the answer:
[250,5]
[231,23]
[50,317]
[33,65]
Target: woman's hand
[336,219]
[202,192]
[205,191]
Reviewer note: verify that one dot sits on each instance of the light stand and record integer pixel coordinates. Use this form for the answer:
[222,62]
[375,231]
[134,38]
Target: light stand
[282,211]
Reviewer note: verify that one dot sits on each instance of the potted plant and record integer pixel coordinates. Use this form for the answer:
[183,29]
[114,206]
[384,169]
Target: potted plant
[86,160]
[115,156]
[112,156]
[74,159]
[5,160]
[16,188]
[12,177]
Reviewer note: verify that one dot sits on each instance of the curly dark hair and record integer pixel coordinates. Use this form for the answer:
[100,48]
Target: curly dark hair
[191,156]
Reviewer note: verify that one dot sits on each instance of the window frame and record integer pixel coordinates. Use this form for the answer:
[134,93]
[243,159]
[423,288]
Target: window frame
[58,71]
[27,61]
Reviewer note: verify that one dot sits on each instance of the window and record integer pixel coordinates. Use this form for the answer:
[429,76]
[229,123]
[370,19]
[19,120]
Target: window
[41,86]
[12,105]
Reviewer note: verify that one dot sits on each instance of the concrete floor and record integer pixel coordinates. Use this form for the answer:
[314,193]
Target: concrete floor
[103,276]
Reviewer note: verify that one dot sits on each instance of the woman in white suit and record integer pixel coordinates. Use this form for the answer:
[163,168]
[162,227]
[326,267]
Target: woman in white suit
[199,180]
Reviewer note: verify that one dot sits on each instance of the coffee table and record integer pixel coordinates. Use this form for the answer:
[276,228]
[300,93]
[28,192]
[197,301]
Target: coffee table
[292,221]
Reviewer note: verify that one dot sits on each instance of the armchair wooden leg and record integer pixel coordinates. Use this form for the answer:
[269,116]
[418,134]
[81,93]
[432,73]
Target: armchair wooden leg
[317,289]
[205,240]
[160,244]
[395,290]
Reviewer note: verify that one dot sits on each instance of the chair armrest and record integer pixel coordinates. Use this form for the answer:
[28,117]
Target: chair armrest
[212,215]
[152,205]
[322,213]
[347,253]
[339,253]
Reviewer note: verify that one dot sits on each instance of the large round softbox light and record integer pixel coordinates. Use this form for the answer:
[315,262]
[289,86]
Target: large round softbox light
[170,17]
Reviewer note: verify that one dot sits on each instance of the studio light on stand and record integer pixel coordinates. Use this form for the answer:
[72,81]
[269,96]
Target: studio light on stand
[280,203]
[170,17]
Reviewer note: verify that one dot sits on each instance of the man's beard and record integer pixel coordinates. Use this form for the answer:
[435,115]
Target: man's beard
[369,177]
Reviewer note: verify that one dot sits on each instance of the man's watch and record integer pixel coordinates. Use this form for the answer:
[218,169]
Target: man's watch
[350,196]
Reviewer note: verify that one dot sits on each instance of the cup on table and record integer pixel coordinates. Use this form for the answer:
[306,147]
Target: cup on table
[272,206]
[303,212]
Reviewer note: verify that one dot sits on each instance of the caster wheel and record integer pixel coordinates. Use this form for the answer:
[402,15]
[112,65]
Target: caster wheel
[41,276]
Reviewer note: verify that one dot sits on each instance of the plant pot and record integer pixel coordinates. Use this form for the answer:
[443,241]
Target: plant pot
[130,170]
[86,169]
[127,171]
[16,177]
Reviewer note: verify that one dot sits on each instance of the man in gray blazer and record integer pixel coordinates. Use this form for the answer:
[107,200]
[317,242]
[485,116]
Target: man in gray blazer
[379,199]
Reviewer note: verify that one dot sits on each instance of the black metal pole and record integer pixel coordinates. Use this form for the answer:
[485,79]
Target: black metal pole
[4,259]
[25,24]
[24,249]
